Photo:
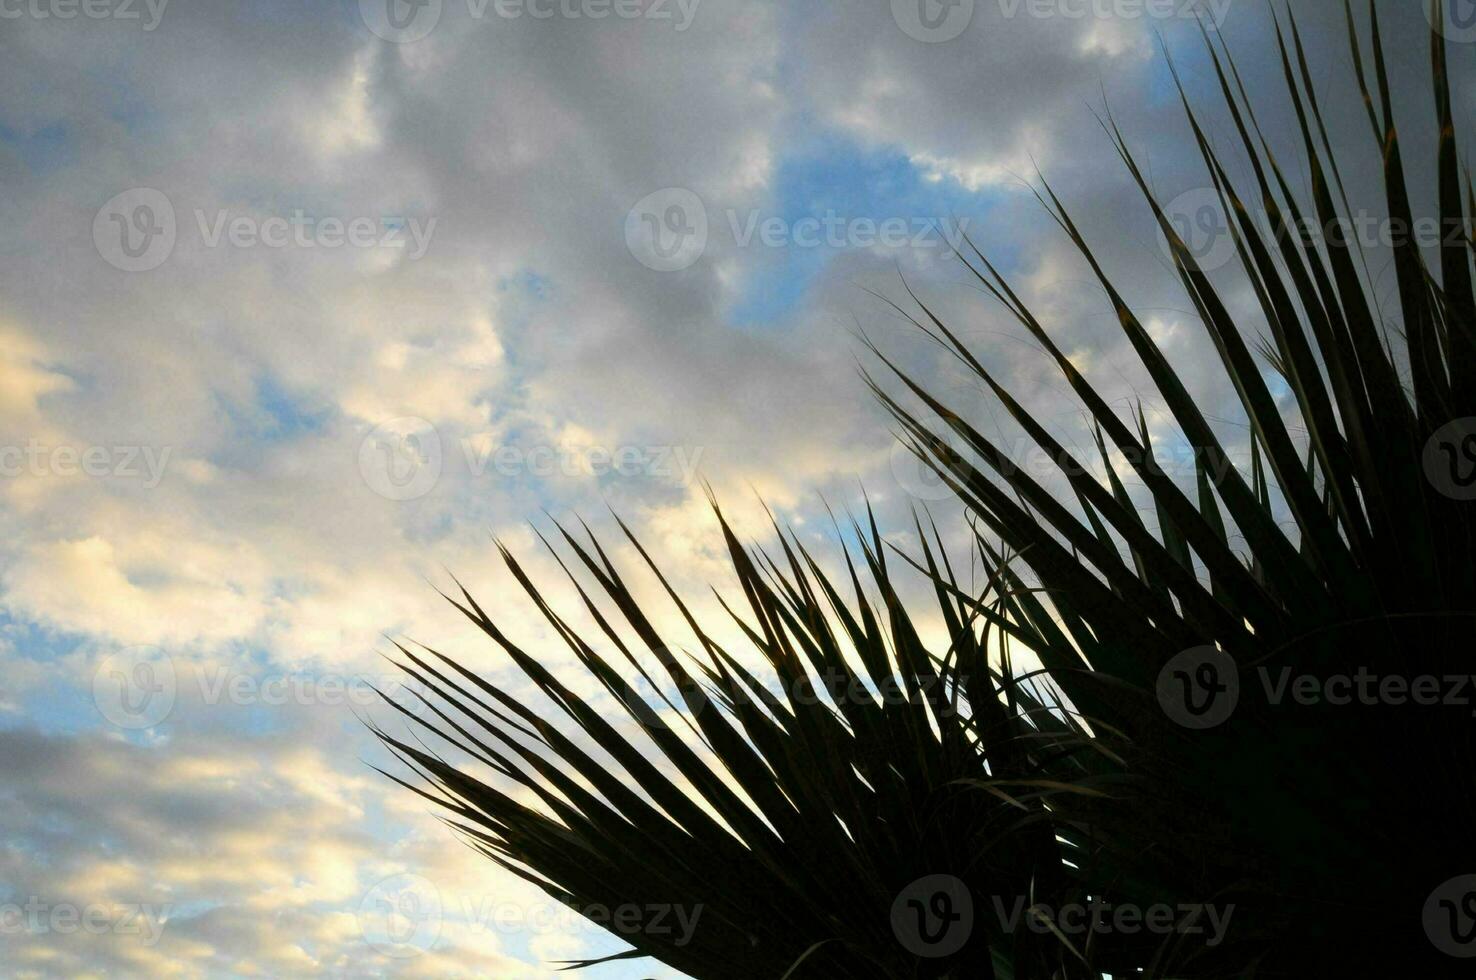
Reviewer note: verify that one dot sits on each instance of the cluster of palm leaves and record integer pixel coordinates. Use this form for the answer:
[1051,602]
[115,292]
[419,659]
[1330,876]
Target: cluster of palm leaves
[870,804]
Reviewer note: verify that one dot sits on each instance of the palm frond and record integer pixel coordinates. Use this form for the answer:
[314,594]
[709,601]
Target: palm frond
[1041,756]
[1328,825]
[787,813]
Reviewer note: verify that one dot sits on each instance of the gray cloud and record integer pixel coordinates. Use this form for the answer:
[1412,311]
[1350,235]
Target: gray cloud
[526,323]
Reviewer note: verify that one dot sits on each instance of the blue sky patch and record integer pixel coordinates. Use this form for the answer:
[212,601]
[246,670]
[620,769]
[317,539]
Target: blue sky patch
[275,414]
[834,196]
[43,149]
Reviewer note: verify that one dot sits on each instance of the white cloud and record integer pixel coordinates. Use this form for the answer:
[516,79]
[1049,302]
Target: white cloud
[526,323]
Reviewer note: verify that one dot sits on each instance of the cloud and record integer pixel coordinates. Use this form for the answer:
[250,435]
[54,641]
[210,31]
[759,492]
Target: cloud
[257,375]
[226,855]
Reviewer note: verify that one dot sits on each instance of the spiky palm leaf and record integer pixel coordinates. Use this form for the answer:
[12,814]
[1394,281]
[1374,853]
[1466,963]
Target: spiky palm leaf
[796,822]
[1329,825]
[789,822]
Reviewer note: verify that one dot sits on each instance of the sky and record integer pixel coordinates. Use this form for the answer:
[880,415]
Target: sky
[302,305]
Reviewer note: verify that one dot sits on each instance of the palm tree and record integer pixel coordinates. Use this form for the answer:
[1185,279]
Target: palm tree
[874,807]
